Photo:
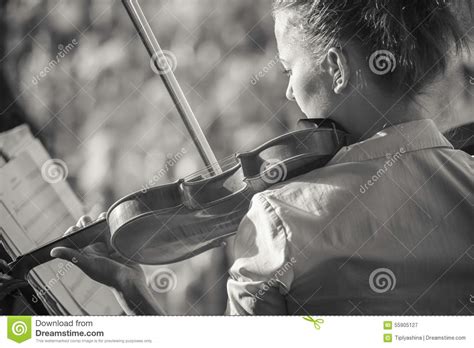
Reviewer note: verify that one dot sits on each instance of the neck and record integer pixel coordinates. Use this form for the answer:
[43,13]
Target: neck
[371,119]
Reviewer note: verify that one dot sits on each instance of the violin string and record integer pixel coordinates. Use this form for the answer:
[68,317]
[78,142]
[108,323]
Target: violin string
[224,163]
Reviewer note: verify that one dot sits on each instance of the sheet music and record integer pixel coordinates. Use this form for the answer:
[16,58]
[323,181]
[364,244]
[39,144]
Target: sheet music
[14,140]
[33,212]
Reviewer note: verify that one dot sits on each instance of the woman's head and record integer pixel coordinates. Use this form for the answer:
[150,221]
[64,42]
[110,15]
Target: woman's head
[366,57]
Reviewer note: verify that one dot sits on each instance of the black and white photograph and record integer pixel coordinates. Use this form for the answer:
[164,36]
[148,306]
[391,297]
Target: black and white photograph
[308,158]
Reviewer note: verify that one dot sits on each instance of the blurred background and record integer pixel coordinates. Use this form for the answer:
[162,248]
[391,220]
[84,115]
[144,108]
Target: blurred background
[78,74]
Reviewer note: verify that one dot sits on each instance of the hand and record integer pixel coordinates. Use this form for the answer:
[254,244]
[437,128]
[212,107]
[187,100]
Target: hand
[7,283]
[101,262]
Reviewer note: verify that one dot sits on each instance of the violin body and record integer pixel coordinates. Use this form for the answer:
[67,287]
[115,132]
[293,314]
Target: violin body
[176,221]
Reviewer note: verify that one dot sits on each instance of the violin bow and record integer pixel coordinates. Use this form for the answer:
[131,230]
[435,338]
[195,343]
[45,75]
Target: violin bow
[179,99]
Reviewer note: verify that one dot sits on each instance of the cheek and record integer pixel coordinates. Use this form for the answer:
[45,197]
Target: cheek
[307,86]
[310,92]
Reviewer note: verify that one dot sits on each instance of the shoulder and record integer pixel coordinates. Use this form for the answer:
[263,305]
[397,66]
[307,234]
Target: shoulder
[264,239]
[318,189]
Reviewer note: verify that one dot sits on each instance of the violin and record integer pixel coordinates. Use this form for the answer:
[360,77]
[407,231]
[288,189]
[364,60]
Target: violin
[173,222]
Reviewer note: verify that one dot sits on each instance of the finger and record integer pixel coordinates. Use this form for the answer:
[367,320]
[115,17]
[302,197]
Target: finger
[10,287]
[84,221]
[14,283]
[70,230]
[4,268]
[68,254]
[102,215]
[123,260]
[5,277]
[98,248]
[82,261]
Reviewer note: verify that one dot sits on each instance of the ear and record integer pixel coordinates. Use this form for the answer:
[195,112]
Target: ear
[338,68]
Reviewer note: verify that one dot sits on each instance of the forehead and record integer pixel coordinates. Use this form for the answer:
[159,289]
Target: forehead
[286,35]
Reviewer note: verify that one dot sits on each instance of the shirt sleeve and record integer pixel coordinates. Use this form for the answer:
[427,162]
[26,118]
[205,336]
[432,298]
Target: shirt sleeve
[262,271]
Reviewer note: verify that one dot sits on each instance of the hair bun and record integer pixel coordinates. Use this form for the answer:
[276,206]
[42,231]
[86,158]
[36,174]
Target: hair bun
[418,34]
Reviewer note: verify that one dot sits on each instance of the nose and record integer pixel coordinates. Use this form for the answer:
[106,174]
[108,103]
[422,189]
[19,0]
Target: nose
[289,92]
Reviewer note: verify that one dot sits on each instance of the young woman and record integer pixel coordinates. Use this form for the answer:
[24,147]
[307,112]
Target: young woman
[386,226]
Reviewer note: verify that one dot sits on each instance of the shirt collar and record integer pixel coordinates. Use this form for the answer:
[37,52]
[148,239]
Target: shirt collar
[400,138]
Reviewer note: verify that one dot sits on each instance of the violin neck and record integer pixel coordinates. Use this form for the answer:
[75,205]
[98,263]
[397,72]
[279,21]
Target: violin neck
[93,233]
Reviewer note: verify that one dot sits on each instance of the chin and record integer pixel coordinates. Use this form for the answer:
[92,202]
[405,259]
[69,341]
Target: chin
[308,114]
[316,114]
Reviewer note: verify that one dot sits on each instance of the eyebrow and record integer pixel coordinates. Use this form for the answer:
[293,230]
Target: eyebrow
[281,59]
[278,54]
